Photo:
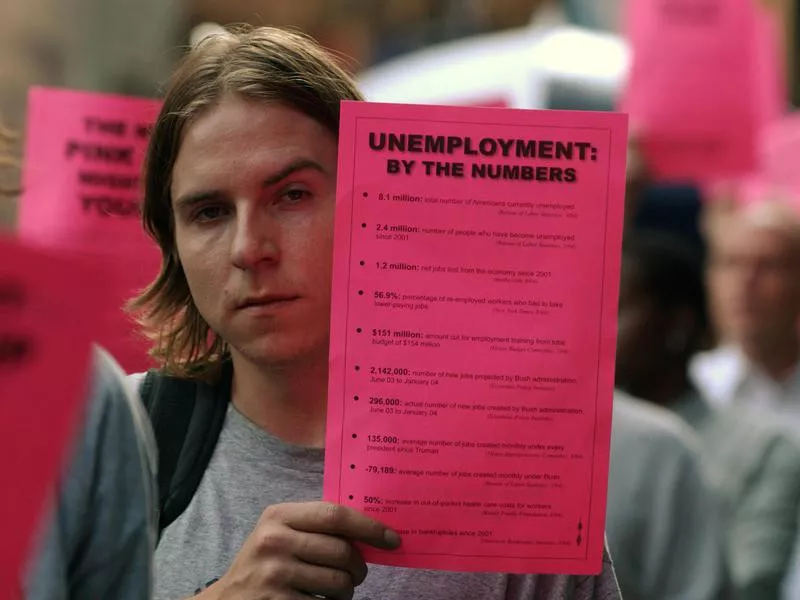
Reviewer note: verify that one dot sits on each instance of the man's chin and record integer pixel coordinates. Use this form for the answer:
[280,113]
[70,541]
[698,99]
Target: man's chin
[281,354]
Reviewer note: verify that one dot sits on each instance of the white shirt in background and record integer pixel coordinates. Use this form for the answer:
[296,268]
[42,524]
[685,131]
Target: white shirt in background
[725,377]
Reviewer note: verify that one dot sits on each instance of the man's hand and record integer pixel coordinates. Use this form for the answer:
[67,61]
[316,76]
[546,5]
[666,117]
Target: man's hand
[301,551]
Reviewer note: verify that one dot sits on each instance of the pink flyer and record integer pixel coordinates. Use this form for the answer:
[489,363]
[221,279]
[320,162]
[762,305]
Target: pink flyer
[473,331]
[82,194]
[45,341]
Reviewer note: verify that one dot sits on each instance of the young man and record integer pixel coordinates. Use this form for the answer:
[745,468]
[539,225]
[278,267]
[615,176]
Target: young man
[240,192]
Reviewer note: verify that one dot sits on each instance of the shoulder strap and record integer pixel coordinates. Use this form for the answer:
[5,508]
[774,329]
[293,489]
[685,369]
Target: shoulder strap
[187,417]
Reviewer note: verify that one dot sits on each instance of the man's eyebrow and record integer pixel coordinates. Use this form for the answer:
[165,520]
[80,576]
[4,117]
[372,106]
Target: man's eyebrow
[191,199]
[301,164]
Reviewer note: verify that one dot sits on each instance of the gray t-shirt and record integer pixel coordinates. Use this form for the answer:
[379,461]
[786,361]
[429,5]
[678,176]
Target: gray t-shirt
[98,537]
[251,469]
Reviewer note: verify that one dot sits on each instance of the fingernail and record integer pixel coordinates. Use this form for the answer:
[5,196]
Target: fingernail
[392,538]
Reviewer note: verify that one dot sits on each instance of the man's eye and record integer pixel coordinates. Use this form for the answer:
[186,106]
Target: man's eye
[295,195]
[208,213]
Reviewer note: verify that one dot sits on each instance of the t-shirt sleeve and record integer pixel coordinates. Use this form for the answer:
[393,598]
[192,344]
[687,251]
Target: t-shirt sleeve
[601,587]
[100,538]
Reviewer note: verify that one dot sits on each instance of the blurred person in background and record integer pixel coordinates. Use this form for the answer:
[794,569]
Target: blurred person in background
[240,314]
[753,278]
[97,535]
[751,464]
[663,524]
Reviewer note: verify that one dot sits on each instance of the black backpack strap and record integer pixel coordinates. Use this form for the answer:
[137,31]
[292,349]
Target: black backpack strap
[187,417]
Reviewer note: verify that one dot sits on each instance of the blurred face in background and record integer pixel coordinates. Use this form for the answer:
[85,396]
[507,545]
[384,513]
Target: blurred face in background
[644,334]
[754,276]
[640,324]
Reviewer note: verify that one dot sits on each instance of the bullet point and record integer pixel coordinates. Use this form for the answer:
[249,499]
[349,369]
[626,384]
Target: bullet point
[362,263]
[352,466]
[350,497]
[355,435]
[365,194]
[355,398]
[360,292]
[358,330]
[364,225]
[358,368]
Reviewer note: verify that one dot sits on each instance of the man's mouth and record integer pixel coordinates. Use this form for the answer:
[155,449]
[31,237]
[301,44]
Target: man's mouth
[265,301]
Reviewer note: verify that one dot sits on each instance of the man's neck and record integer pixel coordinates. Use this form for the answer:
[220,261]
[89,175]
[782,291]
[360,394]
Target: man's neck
[777,358]
[288,401]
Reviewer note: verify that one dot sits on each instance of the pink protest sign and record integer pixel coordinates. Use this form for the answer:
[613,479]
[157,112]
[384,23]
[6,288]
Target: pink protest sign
[775,176]
[753,190]
[770,69]
[45,341]
[780,150]
[473,332]
[83,158]
[703,82]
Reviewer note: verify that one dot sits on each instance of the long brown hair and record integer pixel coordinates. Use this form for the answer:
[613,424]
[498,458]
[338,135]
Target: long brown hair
[7,160]
[269,64]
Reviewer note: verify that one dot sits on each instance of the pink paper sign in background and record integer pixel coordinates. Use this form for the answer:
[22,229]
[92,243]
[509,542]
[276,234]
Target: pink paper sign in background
[770,68]
[705,78]
[780,150]
[473,332]
[775,176]
[47,318]
[82,194]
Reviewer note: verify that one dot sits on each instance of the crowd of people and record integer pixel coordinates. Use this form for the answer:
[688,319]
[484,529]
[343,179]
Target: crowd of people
[204,478]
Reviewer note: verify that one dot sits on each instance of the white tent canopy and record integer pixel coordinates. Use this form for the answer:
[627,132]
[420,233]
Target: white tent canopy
[523,68]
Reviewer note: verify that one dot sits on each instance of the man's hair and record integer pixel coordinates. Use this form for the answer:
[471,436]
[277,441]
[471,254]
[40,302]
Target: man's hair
[269,64]
[7,160]
[669,271]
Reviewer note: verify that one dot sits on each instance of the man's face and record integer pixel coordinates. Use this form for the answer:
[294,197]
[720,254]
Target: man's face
[253,193]
[754,282]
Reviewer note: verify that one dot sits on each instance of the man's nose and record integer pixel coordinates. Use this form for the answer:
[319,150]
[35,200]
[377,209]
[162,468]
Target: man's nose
[255,239]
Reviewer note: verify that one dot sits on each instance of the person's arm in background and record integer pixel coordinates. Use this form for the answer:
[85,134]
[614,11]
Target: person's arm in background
[765,525]
[663,524]
[686,557]
[99,537]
